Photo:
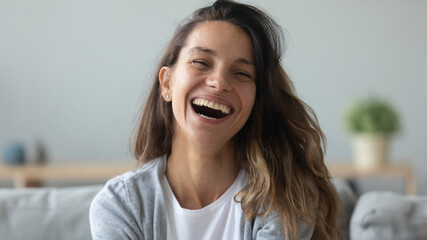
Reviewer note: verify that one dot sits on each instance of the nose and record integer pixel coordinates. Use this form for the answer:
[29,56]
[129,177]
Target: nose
[219,80]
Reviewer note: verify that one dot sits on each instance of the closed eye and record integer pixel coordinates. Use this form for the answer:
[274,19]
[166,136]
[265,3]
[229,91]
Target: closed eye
[200,64]
[243,74]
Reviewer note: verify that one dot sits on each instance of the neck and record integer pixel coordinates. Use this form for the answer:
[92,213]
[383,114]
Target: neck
[199,175]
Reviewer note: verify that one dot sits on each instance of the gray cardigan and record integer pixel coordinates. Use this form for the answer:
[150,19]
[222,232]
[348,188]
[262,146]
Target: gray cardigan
[131,206]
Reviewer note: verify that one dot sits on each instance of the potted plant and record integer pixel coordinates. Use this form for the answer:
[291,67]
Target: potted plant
[372,121]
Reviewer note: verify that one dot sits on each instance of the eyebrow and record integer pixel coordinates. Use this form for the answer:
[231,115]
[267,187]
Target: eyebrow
[202,49]
[213,53]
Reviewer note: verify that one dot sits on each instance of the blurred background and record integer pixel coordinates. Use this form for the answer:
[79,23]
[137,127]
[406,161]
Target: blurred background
[74,74]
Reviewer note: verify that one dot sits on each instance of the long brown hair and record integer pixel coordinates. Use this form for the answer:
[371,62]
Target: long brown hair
[281,146]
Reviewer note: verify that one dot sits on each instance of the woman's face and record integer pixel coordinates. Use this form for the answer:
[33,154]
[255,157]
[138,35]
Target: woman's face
[212,85]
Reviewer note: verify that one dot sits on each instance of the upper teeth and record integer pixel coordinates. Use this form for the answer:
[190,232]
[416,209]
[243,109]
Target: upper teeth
[217,106]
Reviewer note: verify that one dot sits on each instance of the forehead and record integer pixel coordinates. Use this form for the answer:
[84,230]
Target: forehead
[222,37]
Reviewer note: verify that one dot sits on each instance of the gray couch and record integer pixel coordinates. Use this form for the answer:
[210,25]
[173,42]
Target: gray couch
[382,215]
[62,214]
[388,215]
[46,213]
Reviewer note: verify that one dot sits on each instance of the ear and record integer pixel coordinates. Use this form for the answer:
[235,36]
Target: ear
[165,80]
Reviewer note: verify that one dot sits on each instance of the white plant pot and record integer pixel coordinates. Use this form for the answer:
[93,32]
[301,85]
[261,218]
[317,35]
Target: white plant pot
[371,151]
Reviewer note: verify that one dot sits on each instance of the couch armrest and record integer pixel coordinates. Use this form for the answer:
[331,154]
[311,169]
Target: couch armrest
[388,215]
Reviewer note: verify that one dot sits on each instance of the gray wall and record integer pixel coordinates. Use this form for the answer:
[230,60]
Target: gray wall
[74,73]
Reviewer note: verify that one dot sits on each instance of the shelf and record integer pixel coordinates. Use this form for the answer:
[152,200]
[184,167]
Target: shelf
[350,171]
[34,175]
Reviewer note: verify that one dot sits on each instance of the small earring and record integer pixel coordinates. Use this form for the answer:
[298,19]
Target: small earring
[167,96]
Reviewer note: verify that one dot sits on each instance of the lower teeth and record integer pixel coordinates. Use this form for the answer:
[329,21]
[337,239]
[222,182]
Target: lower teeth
[206,116]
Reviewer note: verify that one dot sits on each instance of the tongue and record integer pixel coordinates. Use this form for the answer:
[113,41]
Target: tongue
[209,112]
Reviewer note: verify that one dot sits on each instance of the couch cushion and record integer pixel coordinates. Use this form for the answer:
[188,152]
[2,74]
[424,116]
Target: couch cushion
[46,213]
[388,215]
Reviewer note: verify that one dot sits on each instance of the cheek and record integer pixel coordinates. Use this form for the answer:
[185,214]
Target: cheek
[182,84]
[250,94]
[183,81]
[247,98]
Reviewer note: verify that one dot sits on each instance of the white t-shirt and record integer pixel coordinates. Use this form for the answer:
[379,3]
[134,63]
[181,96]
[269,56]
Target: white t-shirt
[219,220]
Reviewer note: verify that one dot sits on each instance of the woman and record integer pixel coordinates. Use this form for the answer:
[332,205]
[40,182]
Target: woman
[227,149]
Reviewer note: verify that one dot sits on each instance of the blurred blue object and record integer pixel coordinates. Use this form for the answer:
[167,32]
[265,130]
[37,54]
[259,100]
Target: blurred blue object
[14,154]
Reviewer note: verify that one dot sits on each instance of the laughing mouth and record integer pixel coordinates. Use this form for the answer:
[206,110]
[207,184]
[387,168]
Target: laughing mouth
[209,109]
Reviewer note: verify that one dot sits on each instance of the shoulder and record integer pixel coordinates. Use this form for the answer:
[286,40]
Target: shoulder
[270,227]
[136,185]
[127,201]
[142,179]
[131,189]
